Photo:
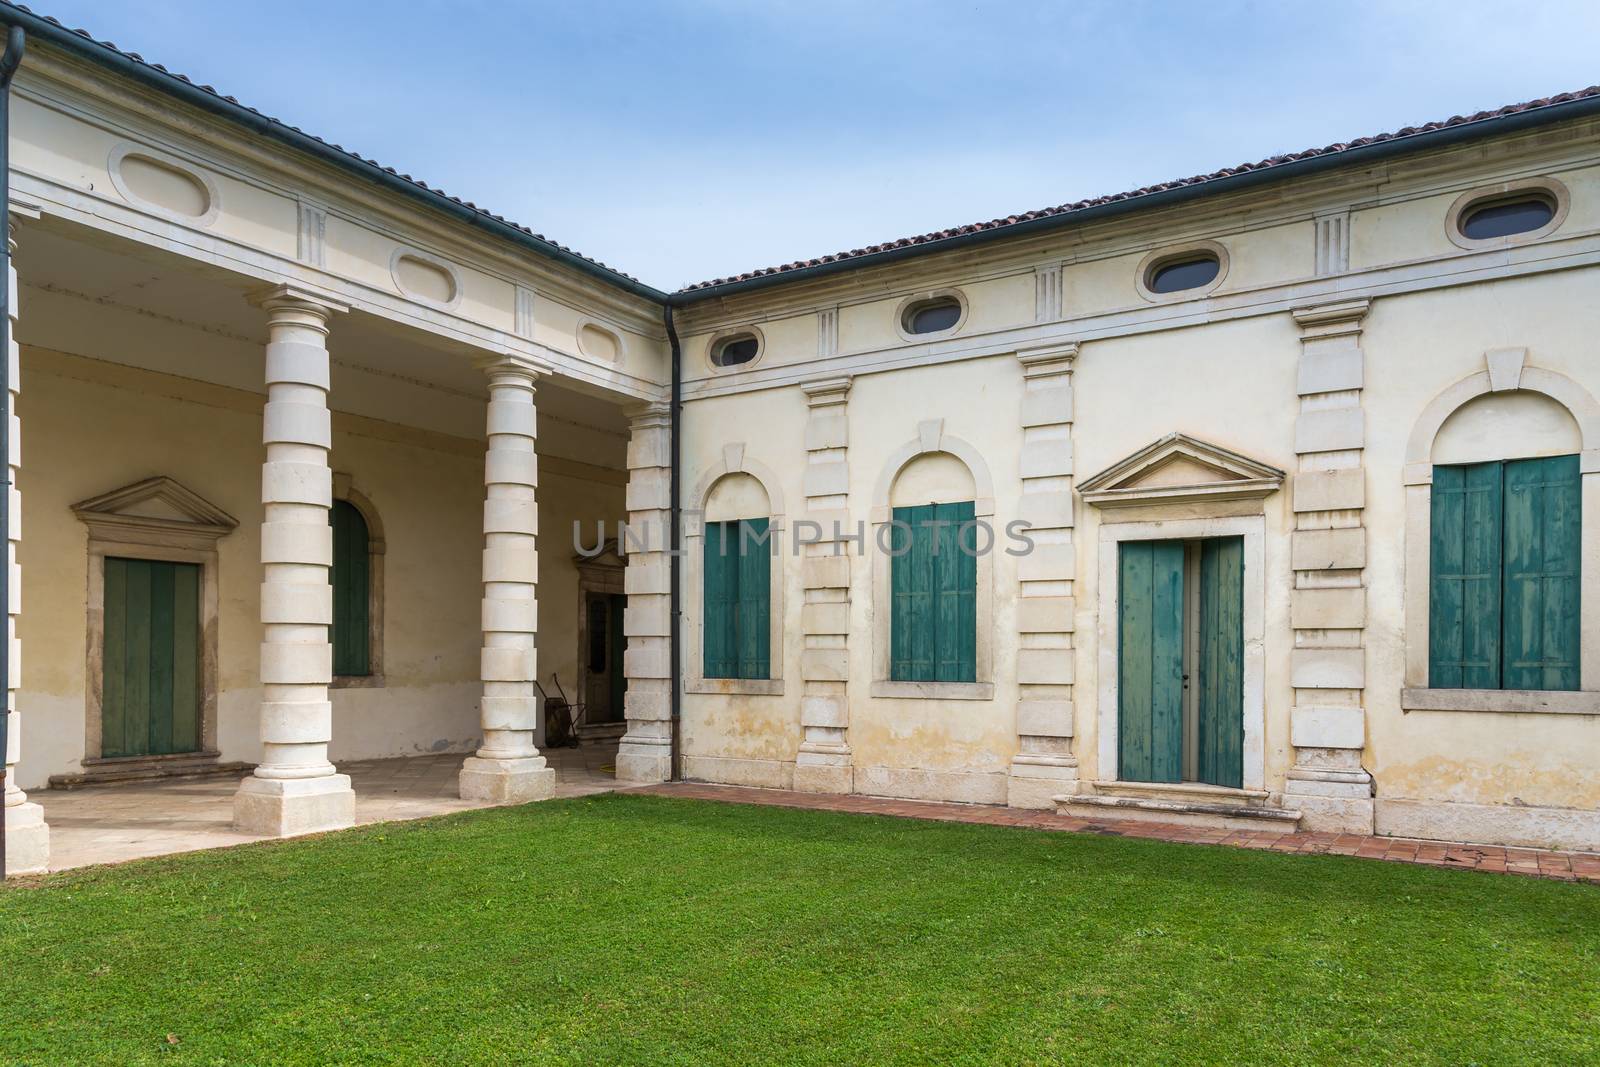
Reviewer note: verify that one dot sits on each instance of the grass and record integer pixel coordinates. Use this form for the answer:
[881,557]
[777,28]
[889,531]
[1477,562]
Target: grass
[650,930]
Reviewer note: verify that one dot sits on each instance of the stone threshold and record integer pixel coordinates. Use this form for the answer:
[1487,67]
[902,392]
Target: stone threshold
[1209,813]
[127,770]
[1533,862]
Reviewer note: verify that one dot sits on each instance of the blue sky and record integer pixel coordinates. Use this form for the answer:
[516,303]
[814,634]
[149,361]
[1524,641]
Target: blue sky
[684,139]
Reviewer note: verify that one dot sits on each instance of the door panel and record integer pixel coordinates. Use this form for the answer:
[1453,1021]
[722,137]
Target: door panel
[1150,661]
[150,686]
[615,647]
[1220,670]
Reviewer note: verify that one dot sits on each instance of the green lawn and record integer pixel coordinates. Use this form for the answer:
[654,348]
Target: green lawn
[647,930]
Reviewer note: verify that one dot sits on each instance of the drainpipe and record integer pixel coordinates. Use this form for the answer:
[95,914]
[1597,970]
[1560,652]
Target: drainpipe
[674,542]
[9,61]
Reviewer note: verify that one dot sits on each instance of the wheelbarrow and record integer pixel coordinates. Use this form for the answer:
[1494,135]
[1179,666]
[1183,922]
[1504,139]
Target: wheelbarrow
[561,716]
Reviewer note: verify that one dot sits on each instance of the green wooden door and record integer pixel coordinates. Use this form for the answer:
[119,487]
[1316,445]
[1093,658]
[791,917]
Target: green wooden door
[618,644]
[1150,661]
[150,691]
[1220,670]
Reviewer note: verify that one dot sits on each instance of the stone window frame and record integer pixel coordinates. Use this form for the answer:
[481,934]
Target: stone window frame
[732,461]
[344,489]
[1171,253]
[927,296]
[931,439]
[1153,527]
[722,337]
[1472,198]
[1507,370]
[190,540]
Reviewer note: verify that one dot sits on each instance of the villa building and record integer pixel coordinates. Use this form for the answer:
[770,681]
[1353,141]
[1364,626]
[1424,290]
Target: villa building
[1265,497]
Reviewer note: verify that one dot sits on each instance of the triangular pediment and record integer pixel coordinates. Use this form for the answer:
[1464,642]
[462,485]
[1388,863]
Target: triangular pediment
[157,501]
[607,556]
[1179,467]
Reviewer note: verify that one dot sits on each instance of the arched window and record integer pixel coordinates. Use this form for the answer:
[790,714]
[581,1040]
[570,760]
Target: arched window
[933,578]
[932,546]
[734,580]
[1501,571]
[1505,552]
[351,577]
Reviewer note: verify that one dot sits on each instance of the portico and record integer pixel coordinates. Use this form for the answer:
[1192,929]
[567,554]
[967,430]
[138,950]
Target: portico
[246,453]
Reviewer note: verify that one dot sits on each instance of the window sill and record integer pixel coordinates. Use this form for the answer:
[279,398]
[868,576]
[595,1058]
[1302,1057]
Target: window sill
[739,687]
[356,681]
[1502,701]
[934,690]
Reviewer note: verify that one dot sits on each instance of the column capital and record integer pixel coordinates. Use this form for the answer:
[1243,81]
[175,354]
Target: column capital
[821,392]
[647,414]
[507,364]
[1331,320]
[1056,357]
[297,300]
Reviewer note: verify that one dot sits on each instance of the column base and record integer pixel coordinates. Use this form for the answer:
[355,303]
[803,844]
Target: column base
[1035,781]
[1331,801]
[643,763]
[506,781]
[824,777]
[288,807]
[27,840]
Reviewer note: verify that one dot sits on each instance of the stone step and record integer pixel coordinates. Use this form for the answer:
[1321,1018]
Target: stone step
[1183,812]
[167,769]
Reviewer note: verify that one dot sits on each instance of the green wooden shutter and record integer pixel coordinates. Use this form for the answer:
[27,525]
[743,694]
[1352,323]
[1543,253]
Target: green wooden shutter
[1543,509]
[955,595]
[1150,661]
[1465,577]
[150,658]
[721,575]
[754,605]
[351,576]
[911,578]
[933,591]
[1220,670]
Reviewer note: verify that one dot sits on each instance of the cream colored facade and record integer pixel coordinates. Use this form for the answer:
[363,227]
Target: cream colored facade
[189,290]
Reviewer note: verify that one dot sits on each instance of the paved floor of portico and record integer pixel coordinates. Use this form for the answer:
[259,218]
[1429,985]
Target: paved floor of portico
[113,823]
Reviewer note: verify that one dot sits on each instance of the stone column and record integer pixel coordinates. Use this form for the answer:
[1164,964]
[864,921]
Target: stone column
[1328,604]
[508,769]
[1044,766]
[823,764]
[27,836]
[645,754]
[294,789]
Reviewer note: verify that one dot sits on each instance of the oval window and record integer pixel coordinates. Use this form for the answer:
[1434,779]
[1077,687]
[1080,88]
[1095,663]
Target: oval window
[735,350]
[1502,218]
[933,316]
[1190,272]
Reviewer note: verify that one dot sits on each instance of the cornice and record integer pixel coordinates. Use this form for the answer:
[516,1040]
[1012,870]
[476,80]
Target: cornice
[125,109]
